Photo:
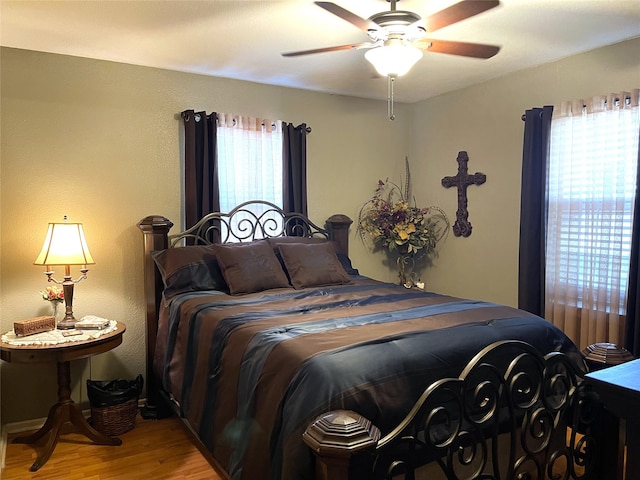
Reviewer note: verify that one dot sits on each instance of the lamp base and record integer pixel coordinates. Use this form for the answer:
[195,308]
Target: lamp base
[66,324]
[69,321]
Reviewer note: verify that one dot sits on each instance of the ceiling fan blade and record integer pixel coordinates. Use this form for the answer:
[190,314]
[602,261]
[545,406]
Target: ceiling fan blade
[351,46]
[344,14]
[458,12]
[475,50]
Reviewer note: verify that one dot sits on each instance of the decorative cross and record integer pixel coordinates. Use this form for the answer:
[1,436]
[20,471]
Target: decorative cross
[462,226]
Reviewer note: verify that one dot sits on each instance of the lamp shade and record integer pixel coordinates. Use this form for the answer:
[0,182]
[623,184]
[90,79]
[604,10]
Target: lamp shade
[393,59]
[65,245]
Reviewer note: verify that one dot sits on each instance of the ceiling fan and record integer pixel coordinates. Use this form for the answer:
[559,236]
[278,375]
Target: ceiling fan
[397,34]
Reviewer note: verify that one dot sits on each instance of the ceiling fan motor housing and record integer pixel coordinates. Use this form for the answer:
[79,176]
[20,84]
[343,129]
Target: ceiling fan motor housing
[397,23]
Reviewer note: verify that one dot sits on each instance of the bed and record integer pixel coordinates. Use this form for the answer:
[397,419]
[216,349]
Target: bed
[286,363]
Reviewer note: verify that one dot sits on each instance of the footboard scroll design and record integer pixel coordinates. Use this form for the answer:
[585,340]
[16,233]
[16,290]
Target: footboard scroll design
[511,414]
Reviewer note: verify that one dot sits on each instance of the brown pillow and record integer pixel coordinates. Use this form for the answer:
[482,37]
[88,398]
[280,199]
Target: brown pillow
[186,269]
[250,267]
[344,259]
[312,264]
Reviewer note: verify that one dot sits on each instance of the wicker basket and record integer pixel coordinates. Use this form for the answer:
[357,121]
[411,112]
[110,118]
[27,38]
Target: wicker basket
[116,419]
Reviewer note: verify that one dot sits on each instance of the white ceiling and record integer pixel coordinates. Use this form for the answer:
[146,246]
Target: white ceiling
[243,39]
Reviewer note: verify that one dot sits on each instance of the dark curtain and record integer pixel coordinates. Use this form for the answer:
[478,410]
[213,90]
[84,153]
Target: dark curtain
[533,210]
[294,171]
[632,328]
[200,165]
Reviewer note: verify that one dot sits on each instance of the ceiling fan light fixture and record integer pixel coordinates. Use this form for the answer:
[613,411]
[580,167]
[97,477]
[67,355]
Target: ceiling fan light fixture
[393,59]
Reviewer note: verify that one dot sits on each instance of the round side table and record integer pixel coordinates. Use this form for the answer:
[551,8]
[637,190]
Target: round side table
[65,410]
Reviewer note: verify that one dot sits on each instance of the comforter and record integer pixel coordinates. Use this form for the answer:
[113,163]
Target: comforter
[250,372]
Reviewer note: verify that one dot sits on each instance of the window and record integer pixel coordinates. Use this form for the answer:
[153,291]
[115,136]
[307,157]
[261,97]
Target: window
[249,160]
[591,191]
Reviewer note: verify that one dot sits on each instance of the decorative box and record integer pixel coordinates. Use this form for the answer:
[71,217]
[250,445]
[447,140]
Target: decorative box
[34,325]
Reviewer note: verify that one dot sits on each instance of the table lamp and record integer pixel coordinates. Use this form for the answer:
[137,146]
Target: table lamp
[65,245]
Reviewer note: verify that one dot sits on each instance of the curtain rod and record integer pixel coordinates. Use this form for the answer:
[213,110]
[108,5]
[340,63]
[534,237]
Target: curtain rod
[196,116]
[524,115]
[626,98]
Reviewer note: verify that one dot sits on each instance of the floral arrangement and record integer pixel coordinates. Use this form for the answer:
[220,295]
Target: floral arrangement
[393,224]
[53,294]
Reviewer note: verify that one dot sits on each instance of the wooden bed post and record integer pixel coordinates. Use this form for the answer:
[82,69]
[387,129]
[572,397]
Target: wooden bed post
[155,229]
[338,226]
[335,437]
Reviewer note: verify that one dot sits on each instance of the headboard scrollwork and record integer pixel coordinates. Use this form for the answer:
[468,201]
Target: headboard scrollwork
[247,222]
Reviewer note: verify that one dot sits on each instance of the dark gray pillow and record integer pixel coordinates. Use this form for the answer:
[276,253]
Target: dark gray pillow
[186,269]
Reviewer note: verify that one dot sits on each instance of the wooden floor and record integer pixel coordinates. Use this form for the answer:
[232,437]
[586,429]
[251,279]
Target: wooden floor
[153,450]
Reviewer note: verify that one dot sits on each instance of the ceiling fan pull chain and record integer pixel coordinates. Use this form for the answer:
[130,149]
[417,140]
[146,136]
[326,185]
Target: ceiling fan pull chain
[391,79]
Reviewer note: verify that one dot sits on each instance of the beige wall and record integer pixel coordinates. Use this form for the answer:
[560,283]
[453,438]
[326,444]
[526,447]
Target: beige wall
[101,142]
